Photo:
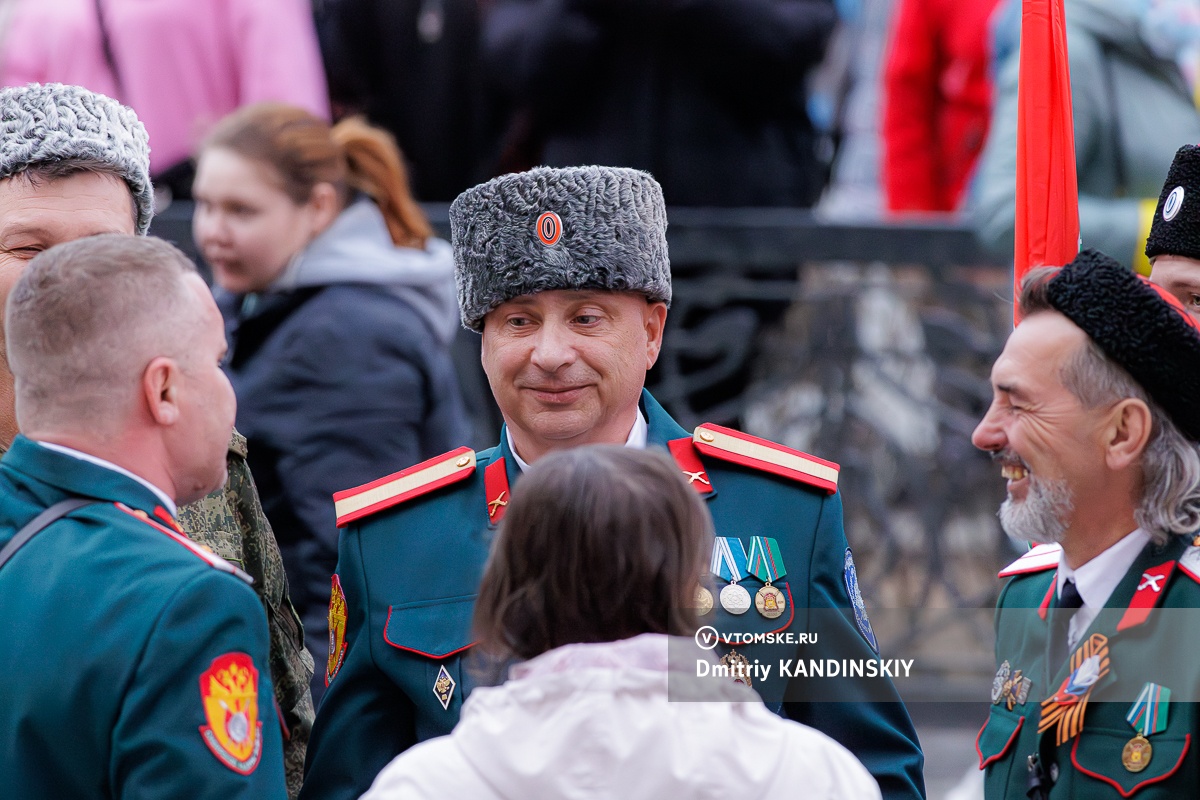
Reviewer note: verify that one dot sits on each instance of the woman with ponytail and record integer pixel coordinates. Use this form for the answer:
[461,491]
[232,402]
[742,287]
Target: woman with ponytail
[340,309]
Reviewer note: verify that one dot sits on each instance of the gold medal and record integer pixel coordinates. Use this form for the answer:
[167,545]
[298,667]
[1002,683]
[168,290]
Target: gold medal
[735,599]
[704,601]
[1135,757]
[739,665]
[770,602]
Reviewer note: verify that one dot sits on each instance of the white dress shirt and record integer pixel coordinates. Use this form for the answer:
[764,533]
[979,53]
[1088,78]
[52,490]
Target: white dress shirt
[637,439]
[1097,579]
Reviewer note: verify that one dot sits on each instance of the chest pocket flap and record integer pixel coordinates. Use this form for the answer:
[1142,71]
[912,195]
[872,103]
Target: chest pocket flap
[997,735]
[431,628]
[1097,754]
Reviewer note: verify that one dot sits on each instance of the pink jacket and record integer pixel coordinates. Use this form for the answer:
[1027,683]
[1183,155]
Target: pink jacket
[184,64]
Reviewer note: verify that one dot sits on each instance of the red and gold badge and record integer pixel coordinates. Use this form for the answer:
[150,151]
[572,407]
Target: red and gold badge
[337,630]
[549,228]
[229,691]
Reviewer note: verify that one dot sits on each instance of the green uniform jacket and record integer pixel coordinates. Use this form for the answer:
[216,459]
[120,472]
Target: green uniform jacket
[133,657]
[231,523]
[1147,642]
[410,573]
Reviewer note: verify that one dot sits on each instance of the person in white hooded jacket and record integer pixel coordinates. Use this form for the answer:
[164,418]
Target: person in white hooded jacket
[591,588]
[339,308]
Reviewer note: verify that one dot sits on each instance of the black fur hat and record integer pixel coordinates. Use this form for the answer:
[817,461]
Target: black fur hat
[570,228]
[1175,229]
[1138,326]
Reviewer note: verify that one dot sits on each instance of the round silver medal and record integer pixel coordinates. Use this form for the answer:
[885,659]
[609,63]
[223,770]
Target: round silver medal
[735,599]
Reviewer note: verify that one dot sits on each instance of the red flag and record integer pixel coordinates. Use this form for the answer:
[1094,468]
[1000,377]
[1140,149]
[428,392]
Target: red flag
[1047,222]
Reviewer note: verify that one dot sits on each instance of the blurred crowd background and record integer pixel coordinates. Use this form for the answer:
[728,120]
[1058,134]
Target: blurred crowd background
[840,179]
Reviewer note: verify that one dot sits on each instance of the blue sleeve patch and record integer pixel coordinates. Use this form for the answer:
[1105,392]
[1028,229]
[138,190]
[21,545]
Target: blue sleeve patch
[856,600]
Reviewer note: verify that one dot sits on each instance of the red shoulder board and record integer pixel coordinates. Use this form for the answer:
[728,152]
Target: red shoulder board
[211,558]
[751,451]
[1189,563]
[1039,559]
[406,484]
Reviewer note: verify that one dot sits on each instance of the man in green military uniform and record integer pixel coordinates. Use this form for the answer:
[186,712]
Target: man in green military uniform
[565,274]
[74,163]
[1095,426]
[136,658]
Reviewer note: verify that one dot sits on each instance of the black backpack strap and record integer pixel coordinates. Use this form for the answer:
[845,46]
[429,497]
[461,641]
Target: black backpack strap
[54,512]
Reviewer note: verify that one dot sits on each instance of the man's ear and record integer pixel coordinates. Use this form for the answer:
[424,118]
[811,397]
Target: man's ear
[656,322]
[160,390]
[1127,433]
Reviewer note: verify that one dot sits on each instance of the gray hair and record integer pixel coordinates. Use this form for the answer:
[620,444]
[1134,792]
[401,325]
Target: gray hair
[44,125]
[85,319]
[1170,502]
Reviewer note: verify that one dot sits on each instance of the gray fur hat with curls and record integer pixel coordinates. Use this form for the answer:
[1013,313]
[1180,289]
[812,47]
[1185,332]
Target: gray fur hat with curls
[549,228]
[53,122]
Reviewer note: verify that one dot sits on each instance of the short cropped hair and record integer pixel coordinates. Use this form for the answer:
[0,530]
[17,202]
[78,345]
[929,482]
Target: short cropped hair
[86,318]
[601,543]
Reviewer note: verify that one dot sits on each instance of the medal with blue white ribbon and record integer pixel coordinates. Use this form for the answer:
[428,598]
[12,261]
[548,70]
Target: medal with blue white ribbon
[729,562]
[1148,716]
[766,563]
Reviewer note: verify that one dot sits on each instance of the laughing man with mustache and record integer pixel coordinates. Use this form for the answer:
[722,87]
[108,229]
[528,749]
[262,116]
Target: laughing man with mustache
[1095,427]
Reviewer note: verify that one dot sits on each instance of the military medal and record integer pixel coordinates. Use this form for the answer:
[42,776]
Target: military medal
[739,665]
[1135,756]
[765,562]
[704,601]
[1066,707]
[998,682]
[729,561]
[443,687]
[1010,687]
[1148,716]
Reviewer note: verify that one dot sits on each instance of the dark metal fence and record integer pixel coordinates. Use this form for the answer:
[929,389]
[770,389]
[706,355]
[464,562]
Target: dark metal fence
[868,345]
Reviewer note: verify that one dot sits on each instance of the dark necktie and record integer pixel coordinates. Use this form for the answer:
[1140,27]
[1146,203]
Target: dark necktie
[1069,602]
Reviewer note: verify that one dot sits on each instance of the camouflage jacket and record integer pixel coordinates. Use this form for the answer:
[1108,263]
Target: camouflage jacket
[231,522]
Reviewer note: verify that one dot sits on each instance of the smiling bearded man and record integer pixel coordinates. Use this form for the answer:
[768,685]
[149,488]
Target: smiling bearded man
[1094,424]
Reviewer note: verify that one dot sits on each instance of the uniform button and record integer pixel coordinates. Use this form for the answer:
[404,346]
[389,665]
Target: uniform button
[462,462]
[706,436]
[1054,772]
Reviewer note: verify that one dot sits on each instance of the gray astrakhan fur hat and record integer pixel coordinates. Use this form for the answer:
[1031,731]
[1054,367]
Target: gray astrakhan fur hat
[52,122]
[549,228]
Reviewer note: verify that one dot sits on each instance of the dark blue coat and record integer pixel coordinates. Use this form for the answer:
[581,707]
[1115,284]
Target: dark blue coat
[335,386]
[409,573]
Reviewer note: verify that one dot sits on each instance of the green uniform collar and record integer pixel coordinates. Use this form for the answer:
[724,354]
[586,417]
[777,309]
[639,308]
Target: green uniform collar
[77,477]
[661,429]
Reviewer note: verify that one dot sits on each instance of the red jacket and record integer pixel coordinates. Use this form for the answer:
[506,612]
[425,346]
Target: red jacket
[937,101]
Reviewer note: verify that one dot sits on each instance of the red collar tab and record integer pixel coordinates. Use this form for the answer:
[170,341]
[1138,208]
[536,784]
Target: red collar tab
[495,486]
[685,455]
[1044,608]
[1152,585]
[751,451]
[167,519]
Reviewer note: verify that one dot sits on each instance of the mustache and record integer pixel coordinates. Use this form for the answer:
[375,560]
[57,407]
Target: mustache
[1008,458]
